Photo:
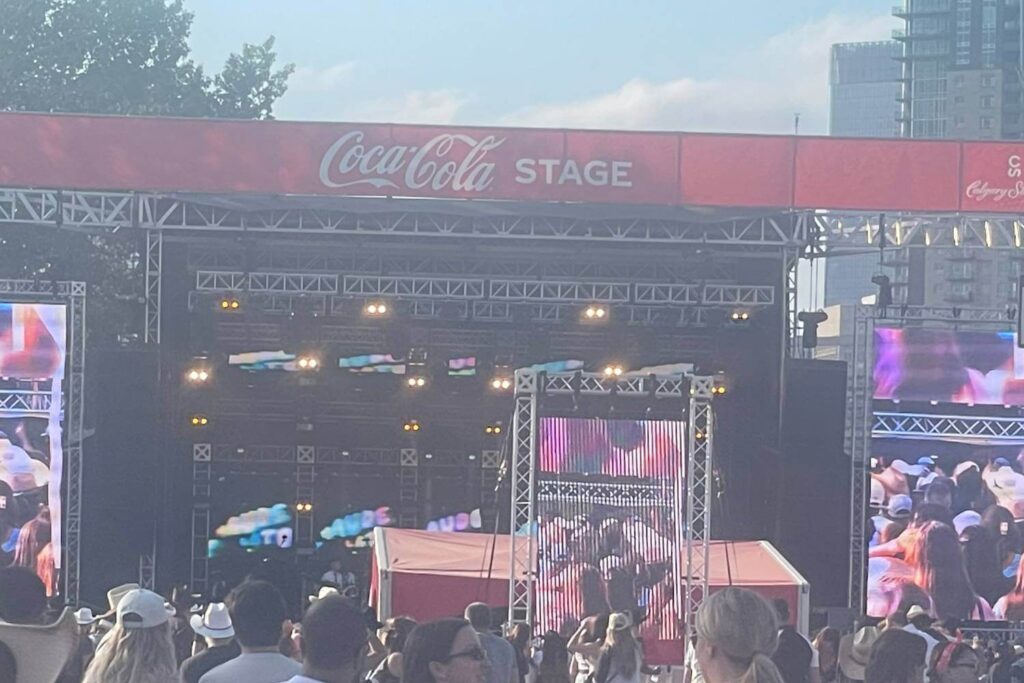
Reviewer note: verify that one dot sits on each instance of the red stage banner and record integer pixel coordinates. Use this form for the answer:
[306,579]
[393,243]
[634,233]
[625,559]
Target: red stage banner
[669,169]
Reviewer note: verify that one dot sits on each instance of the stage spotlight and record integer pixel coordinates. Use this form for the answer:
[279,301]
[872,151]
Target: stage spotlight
[811,320]
[416,382]
[501,383]
[230,303]
[199,420]
[699,436]
[740,317]
[493,429]
[595,313]
[307,362]
[613,371]
[718,389]
[411,426]
[198,375]
[303,507]
[376,309]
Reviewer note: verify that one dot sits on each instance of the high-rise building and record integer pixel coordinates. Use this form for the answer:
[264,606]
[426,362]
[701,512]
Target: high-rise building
[961,78]
[864,90]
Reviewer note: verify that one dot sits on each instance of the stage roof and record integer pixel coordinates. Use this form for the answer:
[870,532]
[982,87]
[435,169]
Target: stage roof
[679,176]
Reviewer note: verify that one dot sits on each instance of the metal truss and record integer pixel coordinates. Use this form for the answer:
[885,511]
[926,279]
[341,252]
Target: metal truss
[697,524]
[200,566]
[72,295]
[294,283]
[520,290]
[594,384]
[154,280]
[919,425]
[836,232]
[147,571]
[523,547]
[409,489]
[640,495]
[792,342]
[305,474]
[25,403]
[860,389]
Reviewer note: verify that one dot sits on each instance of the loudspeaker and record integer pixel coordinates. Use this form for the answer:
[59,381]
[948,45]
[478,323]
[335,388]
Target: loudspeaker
[812,523]
[121,468]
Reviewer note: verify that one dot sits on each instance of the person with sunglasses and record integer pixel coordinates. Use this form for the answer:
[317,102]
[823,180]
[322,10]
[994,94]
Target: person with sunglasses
[444,651]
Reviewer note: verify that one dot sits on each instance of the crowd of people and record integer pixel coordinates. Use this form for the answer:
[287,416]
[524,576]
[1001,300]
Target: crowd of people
[946,536]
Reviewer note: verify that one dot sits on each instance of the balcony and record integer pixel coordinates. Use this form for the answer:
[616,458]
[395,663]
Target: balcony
[900,11]
[899,34]
[960,297]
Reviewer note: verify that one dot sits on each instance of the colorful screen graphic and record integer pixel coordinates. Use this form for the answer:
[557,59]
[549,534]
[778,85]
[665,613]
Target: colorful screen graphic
[948,366]
[619,448]
[32,351]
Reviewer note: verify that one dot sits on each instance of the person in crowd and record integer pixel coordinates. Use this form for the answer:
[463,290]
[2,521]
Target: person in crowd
[22,596]
[794,656]
[259,619]
[554,660]
[1011,606]
[940,492]
[621,657]
[337,577]
[396,630]
[999,522]
[34,535]
[214,626]
[444,651]
[520,639]
[334,642]
[981,554]
[826,644]
[855,652]
[940,570]
[1002,661]
[971,492]
[139,648]
[955,662]
[920,623]
[9,527]
[737,632]
[896,657]
[585,647]
[500,654]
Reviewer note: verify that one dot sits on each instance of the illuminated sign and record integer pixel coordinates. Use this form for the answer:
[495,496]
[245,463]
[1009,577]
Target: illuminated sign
[356,523]
[253,521]
[460,522]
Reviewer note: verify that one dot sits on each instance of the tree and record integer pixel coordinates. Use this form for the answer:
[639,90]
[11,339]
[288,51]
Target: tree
[114,57]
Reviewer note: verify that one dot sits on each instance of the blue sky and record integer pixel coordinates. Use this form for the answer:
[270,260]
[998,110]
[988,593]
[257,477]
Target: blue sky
[739,65]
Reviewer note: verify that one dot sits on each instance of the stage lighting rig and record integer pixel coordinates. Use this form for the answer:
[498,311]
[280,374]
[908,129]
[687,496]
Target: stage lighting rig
[198,374]
[376,309]
[493,429]
[740,317]
[199,420]
[811,320]
[307,363]
[718,390]
[501,383]
[411,426]
[416,382]
[230,303]
[595,313]
[303,507]
[613,370]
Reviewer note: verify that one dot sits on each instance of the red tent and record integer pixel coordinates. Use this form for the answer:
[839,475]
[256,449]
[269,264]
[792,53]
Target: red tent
[433,574]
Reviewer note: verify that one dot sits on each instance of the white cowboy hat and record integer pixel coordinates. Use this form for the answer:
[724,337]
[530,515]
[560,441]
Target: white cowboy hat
[84,616]
[854,650]
[215,623]
[27,643]
[323,593]
[20,471]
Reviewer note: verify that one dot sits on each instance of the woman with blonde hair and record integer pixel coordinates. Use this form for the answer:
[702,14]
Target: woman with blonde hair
[737,633]
[621,657]
[139,648]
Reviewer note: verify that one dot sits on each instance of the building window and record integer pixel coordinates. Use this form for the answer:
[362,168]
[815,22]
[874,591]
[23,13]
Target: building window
[959,99]
[988,80]
[987,101]
[958,80]
[986,123]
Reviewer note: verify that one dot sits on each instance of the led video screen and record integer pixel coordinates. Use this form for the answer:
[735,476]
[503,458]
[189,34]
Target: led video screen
[620,448]
[948,366]
[32,352]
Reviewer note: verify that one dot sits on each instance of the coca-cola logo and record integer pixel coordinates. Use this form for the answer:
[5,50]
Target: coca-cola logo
[436,165]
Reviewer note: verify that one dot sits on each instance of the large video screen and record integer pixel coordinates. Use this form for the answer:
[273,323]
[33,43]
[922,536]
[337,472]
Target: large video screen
[619,448]
[609,543]
[948,366]
[32,351]
[946,528]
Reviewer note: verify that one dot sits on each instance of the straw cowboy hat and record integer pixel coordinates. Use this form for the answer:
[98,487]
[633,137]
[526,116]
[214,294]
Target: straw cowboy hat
[854,650]
[215,623]
[27,642]
[21,472]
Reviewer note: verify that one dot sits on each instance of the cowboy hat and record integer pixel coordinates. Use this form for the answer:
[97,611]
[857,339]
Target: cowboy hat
[26,643]
[215,623]
[854,650]
[20,471]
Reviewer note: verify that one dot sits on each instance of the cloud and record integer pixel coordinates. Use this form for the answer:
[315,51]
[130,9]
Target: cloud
[759,91]
[310,79]
[417,106]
